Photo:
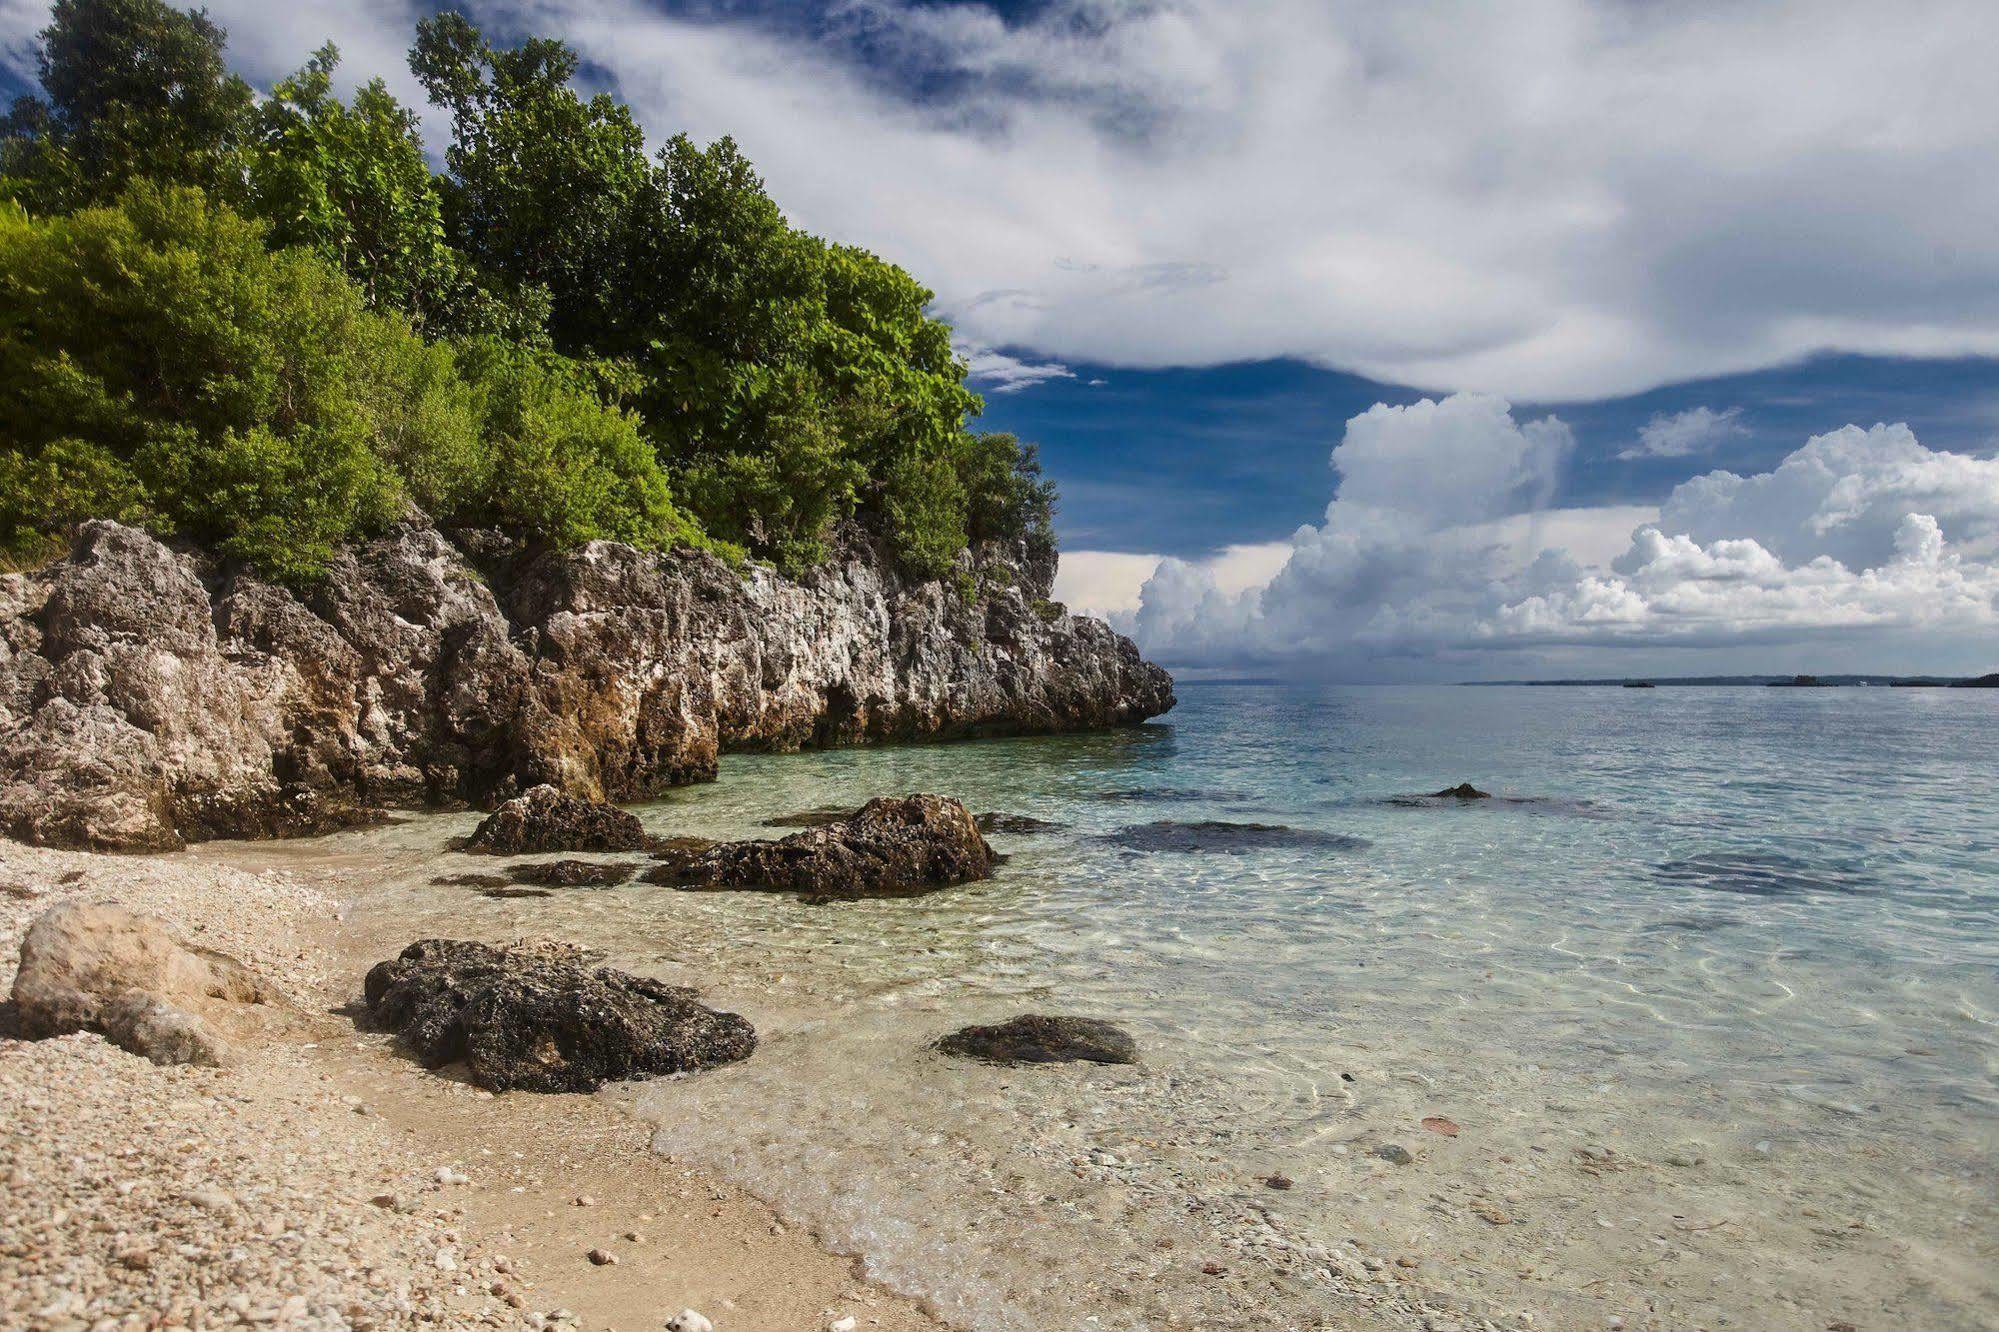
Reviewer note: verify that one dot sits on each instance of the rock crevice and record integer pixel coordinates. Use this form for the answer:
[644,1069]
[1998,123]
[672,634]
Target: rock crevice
[151,696]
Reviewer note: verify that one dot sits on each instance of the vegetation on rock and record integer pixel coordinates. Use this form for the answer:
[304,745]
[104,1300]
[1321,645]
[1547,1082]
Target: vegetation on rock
[266,324]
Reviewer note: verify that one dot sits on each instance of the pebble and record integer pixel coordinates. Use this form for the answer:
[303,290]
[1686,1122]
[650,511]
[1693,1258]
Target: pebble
[603,1257]
[1394,1153]
[847,1324]
[1278,1181]
[687,1320]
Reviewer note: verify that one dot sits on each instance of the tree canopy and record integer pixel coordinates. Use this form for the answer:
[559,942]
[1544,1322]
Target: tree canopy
[268,323]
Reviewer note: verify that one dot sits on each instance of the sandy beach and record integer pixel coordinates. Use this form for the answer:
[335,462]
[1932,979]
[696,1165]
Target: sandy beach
[328,1181]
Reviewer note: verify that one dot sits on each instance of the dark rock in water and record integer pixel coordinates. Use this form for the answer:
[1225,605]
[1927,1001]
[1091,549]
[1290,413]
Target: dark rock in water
[672,856]
[154,695]
[545,819]
[471,881]
[812,818]
[509,890]
[1017,824]
[572,873]
[894,847]
[1147,795]
[1462,791]
[536,1017]
[1227,838]
[1039,1038]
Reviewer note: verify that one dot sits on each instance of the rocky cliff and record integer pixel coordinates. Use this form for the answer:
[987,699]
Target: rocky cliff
[150,696]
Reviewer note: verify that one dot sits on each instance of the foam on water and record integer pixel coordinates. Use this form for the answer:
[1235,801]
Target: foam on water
[1708,991]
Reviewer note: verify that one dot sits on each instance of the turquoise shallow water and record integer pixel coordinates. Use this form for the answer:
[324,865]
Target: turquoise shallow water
[1709,992]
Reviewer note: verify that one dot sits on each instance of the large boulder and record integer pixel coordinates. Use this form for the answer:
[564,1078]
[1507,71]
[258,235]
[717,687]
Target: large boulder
[87,967]
[544,819]
[537,1017]
[1042,1038]
[892,847]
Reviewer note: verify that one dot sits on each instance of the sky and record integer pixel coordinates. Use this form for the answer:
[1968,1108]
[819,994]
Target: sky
[1433,340]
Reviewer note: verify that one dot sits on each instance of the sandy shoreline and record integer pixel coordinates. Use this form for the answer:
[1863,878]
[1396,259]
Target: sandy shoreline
[316,1183]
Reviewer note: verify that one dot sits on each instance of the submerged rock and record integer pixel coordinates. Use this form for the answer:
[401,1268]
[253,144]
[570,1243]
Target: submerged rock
[572,873]
[1226,838]
[471,881]
[892,847]
[1040,1038]
[544,819]
[536,1017]
[151,695]
[812,818]
[1016,824]
[1462,791]
[87,967]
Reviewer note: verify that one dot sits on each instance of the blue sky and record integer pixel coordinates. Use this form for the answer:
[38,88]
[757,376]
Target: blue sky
[1403,341]
[1185,462]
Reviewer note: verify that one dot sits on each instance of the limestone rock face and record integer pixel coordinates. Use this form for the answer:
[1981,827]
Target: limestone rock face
[100,968]
[150,696]
[536,1017]
[544,819]
[892,847]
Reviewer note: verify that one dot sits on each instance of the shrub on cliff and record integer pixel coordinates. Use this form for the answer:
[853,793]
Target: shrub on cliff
[557,462]
[158,363]
[232,393]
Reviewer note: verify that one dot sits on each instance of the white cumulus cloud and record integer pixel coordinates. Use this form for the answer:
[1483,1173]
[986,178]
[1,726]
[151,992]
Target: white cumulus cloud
[1681,434]
[1862,546]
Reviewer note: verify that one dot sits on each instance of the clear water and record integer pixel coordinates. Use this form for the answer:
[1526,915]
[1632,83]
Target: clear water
[1709,995]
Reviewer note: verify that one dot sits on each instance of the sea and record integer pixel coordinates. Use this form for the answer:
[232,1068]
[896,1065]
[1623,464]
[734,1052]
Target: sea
[1694,1023]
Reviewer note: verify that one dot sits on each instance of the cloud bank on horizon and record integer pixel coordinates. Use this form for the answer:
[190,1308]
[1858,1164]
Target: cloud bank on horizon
[1862,549]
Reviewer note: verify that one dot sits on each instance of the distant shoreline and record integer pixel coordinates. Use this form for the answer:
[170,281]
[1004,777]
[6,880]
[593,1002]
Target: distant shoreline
[1990,681]
[1765,681]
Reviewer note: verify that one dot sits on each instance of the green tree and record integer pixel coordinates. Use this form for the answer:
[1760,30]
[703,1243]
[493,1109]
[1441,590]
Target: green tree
[1006,496]
[135,89]
[542,182]
[352,183]
[226,392]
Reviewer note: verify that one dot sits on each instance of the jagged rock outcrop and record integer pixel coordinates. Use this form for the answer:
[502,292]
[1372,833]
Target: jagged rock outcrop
[151,696]
[89,967]
[537,1017]
[893,846]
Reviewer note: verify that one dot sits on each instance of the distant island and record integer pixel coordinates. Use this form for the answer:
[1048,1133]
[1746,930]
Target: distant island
[1987,681]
